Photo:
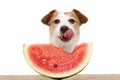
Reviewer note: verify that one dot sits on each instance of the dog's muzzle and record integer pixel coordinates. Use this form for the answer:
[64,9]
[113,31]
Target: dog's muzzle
[66,33]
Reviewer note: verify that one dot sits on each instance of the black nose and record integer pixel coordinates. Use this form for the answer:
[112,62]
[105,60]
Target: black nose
[63,29]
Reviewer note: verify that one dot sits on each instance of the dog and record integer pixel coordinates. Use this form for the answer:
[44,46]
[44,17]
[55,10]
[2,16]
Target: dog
[64,28]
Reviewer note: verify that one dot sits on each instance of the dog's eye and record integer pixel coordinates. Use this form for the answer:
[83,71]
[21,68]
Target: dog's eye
[57,21]
[71,21]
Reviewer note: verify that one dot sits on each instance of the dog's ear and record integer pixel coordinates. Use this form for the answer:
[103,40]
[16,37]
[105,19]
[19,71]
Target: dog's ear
[47,18]
[82,18]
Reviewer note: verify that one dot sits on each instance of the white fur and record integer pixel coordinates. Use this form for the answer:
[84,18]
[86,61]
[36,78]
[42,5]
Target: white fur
[54,37]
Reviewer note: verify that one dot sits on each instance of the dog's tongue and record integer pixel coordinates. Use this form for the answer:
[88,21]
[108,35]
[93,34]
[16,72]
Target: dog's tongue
[68,34]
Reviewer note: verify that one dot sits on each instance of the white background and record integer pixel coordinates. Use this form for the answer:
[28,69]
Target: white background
[20,23]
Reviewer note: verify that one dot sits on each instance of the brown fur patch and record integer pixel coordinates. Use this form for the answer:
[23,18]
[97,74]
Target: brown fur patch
[82,18]
[51,23]
[47,18]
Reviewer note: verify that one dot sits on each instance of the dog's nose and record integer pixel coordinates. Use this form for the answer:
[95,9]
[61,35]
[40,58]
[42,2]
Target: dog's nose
[63,29]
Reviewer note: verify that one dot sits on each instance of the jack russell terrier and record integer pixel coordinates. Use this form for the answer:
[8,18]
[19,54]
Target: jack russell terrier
[64,28]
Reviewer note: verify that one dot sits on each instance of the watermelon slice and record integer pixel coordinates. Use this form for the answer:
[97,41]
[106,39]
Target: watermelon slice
[51,61]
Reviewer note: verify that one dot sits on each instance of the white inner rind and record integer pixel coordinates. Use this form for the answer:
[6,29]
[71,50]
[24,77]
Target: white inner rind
[60,75]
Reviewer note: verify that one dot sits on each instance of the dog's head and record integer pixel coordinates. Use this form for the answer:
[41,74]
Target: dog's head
[64,26]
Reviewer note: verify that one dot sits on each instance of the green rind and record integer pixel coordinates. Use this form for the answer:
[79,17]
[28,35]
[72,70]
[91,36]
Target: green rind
[56,77]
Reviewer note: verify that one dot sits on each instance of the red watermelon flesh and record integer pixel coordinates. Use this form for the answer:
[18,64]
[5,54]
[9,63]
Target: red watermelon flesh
[51,61]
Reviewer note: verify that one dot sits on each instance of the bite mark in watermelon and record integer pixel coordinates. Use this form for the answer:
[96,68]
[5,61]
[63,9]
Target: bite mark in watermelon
[53,62]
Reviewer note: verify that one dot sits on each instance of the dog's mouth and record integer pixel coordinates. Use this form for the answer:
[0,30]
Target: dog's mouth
[67,35]
[64,39]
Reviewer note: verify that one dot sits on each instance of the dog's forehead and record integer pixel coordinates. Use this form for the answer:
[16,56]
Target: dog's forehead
[64,15]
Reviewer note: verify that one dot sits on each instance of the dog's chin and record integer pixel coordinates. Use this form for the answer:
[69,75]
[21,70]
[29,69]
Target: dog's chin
[62,38]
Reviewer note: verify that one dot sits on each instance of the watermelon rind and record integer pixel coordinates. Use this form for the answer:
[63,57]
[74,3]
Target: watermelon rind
[60,75]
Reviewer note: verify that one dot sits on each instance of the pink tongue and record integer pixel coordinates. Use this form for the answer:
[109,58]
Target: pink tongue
[68,34]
